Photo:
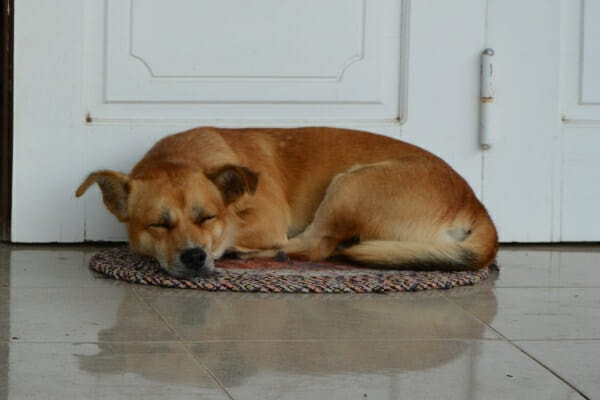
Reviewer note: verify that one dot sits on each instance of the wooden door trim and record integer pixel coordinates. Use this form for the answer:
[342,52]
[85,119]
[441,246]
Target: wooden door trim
[6,117]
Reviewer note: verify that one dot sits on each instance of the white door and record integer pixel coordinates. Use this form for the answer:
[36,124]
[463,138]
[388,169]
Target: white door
[521,183]
[98,81]
[542,175]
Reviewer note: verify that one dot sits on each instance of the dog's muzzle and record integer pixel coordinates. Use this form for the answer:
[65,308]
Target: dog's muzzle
[192,262]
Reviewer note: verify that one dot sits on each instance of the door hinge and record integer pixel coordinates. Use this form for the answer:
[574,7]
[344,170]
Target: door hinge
[486,99]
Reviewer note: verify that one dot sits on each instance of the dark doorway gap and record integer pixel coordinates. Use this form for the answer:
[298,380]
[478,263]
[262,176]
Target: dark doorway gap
[6,117]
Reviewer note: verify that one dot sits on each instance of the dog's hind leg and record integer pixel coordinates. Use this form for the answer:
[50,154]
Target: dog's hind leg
[336,222]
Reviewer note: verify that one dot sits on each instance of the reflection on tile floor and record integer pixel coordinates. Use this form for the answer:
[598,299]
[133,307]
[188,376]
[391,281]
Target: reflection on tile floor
[531,331]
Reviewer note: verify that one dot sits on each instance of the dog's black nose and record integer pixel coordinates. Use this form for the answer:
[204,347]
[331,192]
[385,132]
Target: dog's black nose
[193,258]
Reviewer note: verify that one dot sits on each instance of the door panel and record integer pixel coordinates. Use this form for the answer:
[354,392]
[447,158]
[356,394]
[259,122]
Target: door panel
[521,169]
[541,175]
[581,121]
[98,81]
[445,41]
[237,60]
[581,61]
[581,191]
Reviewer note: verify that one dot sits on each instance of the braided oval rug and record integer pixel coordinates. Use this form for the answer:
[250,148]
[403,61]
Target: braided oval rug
[280,276]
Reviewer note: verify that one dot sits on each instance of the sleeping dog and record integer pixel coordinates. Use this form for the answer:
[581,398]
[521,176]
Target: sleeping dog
[306,193]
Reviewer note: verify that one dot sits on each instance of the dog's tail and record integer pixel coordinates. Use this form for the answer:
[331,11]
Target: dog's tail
[475,251]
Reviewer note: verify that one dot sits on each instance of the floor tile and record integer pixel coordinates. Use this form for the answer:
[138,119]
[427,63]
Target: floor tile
[113,371]
[248,316]
[66,334]
[577,268]
[5,252]
[541,313]
[439,369]
[576,361]
[548,267]
[55,267]
[82,314]
[4,311]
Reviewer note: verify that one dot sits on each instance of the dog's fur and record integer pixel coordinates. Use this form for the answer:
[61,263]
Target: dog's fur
[307,193]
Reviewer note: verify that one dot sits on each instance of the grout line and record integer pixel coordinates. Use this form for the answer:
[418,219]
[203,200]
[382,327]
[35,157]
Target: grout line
[214,377]
[80,342]
[185,345]
[322,341]
[556,374]
[338,340]
[513,344]
[546,287]
[557,340]
[162,318]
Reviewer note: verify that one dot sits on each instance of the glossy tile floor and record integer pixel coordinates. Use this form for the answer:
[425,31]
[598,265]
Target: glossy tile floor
[530,332]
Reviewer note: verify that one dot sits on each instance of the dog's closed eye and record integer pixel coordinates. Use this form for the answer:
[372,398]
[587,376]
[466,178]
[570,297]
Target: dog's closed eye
[160,225]
[165,223]
[200,216]
[204,218]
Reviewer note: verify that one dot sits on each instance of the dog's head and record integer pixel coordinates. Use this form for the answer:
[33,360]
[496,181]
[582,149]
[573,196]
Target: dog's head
[185,219]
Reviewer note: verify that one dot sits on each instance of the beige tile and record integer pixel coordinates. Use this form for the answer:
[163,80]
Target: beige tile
[4,368]
[578,268]
[113,371]
[438,369]
[524,268]
[548,267]
[5,251]
[576,361]
[197,315]
[540,313]
[4,311]
[55,267]
[82,314]
[82,337]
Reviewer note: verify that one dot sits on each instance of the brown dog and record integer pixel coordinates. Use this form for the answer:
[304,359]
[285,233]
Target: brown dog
[311,193]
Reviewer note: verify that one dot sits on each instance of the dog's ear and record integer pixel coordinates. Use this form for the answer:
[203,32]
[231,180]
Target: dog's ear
[115,191]
[233,181]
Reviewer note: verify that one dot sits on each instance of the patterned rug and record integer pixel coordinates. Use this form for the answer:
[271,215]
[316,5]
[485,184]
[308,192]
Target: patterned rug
[280,276]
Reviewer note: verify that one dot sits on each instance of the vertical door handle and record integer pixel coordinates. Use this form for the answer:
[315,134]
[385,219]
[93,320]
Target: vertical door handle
[486,99]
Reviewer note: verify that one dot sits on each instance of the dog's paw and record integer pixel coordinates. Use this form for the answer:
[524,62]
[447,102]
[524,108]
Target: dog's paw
[282,256]
[264,255]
